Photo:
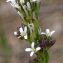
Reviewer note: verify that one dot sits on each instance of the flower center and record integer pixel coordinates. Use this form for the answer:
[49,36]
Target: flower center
[23,34]
[33,50]
[48,33]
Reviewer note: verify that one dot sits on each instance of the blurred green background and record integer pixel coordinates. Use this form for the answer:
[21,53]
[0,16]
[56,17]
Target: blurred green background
[12,49]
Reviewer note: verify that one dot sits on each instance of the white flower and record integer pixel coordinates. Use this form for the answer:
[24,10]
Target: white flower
[48,33]
[13,3]
[32,49]
[32,0]
[22,1]
[10,0]
[23,32]
[28,6]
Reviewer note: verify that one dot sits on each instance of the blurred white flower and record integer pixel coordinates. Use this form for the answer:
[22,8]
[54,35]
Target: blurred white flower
[18,36]
[32,49]
[13,3]
[28,6]
[15,33]
[22,1]
[23,32]
[10,0]
[32,0]
[48,33]
[20,15]
[35,1]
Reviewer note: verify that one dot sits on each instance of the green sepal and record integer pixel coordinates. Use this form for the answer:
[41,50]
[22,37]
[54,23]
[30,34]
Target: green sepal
[37,35]
[37,8]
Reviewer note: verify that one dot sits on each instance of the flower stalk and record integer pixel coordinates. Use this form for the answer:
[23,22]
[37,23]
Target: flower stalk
[31,31]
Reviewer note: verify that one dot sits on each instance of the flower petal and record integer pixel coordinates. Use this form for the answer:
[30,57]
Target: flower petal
[21,30]
[25,37]
[19,37]
[10,0]
[32,45]
[47,31]
[52,33]
[25,29]
[43,33]
[31,54]
[22,1]
[38,48]
[15,33]
[28,6]
[16,6]
[20,15]
[32,0]
[28,49]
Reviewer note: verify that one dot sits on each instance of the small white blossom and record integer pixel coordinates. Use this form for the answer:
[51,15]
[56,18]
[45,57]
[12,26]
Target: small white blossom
[48,33]
[28,6]
[32,49]
[22,1]
[13,3]
[15,33]
[32,0]
[23,33]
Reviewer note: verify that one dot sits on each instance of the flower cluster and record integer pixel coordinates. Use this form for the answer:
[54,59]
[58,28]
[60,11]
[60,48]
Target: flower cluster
[43,43]
[31,31]
[27,9]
